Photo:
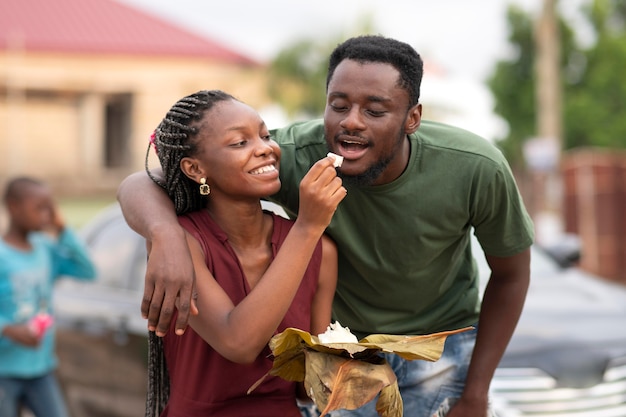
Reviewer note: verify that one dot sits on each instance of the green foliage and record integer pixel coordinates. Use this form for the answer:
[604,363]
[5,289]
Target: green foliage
[297,78]
[596,100]
[513,86]
[593,85]
[297,75]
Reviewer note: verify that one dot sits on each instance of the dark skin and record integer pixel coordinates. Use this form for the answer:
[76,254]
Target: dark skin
[30,210]
[240,161]
[367,119]
[364,104]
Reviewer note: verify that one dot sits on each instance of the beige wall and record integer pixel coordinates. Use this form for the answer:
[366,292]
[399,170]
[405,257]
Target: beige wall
[52,109]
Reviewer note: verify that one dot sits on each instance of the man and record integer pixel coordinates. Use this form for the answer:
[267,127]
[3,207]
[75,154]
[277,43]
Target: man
[416,191]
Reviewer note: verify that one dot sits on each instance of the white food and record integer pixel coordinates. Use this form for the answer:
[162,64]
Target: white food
[338,159]
[335,333]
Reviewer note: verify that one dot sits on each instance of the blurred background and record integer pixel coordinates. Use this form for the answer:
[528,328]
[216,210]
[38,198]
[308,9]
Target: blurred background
[83,83]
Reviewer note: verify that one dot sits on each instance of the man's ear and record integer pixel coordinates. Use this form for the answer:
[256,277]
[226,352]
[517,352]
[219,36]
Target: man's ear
[192,169]
[413,119]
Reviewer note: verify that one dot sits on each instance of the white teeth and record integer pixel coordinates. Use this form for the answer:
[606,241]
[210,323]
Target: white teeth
[262,170]
[353,142]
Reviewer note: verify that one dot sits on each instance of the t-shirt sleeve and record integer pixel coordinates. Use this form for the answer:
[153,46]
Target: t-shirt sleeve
[302,144]
[502,224]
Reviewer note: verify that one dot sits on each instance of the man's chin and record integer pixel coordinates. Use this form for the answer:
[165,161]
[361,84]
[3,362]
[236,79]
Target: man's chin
[365,178]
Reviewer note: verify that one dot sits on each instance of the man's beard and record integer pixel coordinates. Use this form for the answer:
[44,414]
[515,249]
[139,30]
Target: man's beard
[374,171]
[368,177]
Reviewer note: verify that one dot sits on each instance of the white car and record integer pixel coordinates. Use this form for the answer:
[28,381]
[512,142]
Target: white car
[567,357]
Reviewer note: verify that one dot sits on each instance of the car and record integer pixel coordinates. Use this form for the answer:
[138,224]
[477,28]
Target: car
[567,357]
[101,336]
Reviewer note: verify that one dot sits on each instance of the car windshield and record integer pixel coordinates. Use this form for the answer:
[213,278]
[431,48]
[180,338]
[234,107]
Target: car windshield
[119,254]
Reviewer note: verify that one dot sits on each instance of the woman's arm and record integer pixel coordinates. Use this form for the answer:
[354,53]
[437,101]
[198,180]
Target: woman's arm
[239,333]
[170,275]
[327,283]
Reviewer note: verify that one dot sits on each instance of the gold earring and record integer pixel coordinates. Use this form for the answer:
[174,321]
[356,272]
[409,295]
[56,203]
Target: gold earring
[204,187]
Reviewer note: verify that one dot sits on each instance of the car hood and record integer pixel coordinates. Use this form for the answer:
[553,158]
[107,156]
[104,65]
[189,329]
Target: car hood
[98,307]
[571,327]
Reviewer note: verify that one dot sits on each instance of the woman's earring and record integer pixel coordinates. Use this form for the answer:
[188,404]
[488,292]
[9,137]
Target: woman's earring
[204,187]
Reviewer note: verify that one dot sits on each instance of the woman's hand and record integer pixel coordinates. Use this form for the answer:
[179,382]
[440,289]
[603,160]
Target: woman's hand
[321,191]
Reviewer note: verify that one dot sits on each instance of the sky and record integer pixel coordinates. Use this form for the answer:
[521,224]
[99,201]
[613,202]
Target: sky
[462,39]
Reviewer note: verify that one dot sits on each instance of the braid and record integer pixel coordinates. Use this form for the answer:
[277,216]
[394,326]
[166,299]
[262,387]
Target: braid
[158,377]
[174,140]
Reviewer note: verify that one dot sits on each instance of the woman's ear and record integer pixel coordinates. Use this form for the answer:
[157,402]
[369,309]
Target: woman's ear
[192,169]
[413,119]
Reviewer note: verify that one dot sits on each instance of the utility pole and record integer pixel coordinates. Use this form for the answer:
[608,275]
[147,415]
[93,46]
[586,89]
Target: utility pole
[548,96]
[547,67]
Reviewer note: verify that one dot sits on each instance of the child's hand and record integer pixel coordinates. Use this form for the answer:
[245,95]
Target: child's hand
[22,334]
[57,224]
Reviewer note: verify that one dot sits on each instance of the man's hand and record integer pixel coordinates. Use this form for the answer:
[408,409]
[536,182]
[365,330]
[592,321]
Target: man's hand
[467,408]
[170,277]
[169,283]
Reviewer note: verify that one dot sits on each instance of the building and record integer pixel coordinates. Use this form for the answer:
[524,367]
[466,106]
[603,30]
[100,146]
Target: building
[83,83]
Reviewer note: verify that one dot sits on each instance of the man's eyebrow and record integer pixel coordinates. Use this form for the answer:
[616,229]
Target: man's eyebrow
[376,99]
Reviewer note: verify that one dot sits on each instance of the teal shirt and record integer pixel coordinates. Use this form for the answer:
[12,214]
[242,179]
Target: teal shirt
[26,283]
[405,261]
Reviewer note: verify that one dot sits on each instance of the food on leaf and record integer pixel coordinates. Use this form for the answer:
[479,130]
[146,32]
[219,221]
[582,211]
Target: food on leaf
[347,375]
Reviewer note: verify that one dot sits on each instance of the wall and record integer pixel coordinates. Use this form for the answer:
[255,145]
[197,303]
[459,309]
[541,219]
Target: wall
[594,204]
[53,110]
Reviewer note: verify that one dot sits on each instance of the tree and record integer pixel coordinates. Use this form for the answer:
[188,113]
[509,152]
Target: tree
[594,89]
[297,76]
[512,86]
[597,97]
[513,81]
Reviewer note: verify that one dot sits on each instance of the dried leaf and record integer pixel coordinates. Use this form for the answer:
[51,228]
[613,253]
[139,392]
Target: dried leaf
[389,403]
[426,347]
[292,338]
[348,375]
[336,382]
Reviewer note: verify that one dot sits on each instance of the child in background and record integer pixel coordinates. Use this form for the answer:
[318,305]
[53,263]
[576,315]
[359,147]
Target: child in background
[35,250]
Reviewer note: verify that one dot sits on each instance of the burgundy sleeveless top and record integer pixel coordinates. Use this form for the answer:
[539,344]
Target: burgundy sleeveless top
[202,382]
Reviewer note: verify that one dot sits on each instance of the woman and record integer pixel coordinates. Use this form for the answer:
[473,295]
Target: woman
[256,273]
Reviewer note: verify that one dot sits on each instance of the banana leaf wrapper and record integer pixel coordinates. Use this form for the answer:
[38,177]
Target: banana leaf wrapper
[349,375]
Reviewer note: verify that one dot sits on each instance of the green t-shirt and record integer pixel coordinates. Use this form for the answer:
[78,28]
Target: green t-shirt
[405,261]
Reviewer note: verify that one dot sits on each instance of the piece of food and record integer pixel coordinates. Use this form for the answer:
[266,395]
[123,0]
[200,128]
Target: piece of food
[338,159]
[335,333]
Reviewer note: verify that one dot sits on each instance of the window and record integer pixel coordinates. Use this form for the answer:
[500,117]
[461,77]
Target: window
[118,113]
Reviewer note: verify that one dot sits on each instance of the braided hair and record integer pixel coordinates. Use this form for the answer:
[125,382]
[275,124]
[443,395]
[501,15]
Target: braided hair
[174,139]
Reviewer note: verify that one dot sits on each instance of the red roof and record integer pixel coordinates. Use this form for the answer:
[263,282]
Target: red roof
[100,26]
